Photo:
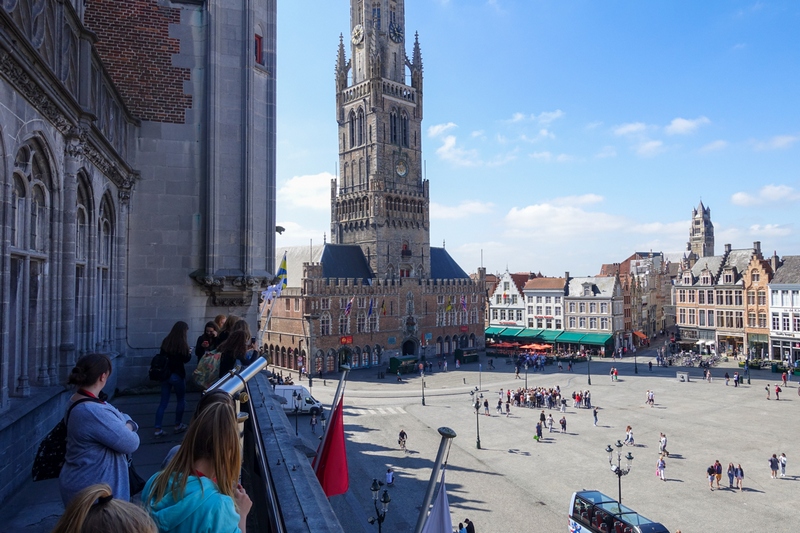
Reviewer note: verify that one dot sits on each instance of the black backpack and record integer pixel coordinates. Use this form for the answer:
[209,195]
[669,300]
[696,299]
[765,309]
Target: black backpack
[159,368]
[51,455]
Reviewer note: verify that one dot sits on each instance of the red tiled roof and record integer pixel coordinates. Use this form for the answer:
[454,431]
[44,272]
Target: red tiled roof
[520,278]
[545,283]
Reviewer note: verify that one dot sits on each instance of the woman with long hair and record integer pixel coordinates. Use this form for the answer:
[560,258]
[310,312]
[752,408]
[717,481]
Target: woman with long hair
[95,510]
[199,490]
[207,340]
[176,347]
[234,349]
[99,437]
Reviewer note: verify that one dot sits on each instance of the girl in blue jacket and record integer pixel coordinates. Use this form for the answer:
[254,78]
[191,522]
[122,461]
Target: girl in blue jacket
[198,491]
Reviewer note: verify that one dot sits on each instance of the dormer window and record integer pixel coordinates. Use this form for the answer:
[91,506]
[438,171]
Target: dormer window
[728,277]
[687,279]
[755,276]
[706,279]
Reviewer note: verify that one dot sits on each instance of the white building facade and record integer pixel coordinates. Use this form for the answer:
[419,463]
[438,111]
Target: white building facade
[784,307]
[507,303]
[544,303]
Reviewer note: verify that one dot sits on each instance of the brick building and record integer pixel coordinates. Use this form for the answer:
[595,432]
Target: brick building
[405,297]
[138,168]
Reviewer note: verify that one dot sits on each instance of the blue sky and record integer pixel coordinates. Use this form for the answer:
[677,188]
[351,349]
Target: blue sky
[560,135]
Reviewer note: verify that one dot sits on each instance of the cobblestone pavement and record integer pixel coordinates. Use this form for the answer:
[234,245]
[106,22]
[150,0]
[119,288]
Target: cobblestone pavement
[514,483]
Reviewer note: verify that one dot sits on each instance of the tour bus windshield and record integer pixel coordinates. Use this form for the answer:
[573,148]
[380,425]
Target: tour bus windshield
[594,511]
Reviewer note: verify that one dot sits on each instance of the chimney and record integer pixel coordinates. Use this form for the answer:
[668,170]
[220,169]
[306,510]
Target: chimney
[727,248]
[757,248]
[775,263]
[566,276]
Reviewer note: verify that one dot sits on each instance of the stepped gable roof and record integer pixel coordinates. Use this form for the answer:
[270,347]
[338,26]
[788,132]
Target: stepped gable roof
[789,272]
[545,284]
[739,259]
[338,261]
[609,269]
[602,286]
[520,279]
[445,267]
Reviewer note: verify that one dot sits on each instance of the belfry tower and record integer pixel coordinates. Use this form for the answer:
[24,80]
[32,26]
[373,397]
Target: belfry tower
[701,234]
[381,200]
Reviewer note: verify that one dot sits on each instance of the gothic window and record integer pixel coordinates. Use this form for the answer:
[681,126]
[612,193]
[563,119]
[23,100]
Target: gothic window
[105,239]
[360,129]
[361,322]
[29,358]
[352,124]
[373,322]
[393,127]
[259,48]
[376,15]
[404,129]
[343,325]
[325,324]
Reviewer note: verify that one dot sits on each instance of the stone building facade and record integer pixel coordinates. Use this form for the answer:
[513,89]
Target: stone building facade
[507,302]
[379,289]
[594,305]
[138,168]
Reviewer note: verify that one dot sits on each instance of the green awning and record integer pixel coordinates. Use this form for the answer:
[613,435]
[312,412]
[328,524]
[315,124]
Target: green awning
[549,335]
[529,333]
[596,339]
[511,332]
[494,330]
[570,336]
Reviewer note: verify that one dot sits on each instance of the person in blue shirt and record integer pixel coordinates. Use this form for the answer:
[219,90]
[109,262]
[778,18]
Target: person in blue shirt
[198,491]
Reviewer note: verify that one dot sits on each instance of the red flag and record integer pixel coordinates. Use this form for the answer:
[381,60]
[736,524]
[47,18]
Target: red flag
[332,472]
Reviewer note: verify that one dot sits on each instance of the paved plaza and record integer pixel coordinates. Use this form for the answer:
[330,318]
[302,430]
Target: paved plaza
[516,484]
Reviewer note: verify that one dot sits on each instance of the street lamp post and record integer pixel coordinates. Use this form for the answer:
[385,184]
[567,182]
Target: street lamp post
[477,423]
[423,390]
[617,469]
[589,368]
[384,499]
[296,398]
[480,366]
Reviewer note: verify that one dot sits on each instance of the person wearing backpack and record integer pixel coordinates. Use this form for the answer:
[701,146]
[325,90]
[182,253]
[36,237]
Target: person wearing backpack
[99,437]
[175,347]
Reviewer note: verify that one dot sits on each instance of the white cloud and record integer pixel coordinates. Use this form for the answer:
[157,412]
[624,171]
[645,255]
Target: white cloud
[477,133]
[448,151]
[593,125]
[714,146]
[684,126]
[606,151]
[518,117]
[768,194]
[465,209]
[310,191]
[543,133]
[544,156]
[438,129]
[547,117]
[650,148]
[583,199]
[776,143]
[770,230]
[630,128]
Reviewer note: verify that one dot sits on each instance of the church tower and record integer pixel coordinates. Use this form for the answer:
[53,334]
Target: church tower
[381,200]
[701,234]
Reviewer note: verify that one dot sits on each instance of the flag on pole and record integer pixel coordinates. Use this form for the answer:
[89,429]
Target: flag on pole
[439,520]
[282,276]
[349,306]
[464,303]
[369,313]
[383,308]
[449,304]
[332,471]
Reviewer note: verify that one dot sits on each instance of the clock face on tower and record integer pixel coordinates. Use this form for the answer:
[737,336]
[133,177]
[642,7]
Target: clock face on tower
[358,34]
[395,32]
[401,168]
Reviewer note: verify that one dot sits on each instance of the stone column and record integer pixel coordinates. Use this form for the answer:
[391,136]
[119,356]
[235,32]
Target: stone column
[73,159]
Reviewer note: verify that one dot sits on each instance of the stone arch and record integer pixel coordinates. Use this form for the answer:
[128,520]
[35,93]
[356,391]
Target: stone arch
[331,359]
[448,345]
[410,346]
[439,345]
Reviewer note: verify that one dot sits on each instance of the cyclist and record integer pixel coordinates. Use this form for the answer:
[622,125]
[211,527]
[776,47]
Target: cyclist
[401,440]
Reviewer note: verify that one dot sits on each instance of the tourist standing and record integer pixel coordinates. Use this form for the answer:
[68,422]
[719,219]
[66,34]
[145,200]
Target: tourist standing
[782,460]
[717,472]
[661,465]
[739,473]
[778,392]
[767,389]
[773,465]
[313,424]
[563,423]
[176,348]
[594,414]
[710,472]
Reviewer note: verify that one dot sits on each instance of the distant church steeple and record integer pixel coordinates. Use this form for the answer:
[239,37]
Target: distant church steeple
[701,234]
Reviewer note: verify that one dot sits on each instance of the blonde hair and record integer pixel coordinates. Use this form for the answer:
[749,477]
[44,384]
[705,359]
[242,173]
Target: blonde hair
[213,436]
[94,510]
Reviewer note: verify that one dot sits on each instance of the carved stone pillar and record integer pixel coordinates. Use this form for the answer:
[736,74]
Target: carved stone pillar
[73,159]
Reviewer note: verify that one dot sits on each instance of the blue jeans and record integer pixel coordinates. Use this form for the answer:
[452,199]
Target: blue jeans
[178,383]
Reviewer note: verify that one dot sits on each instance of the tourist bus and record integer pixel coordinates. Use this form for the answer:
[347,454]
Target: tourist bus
[594,512]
